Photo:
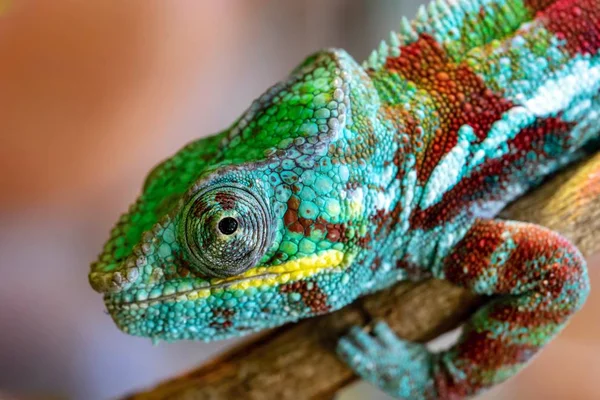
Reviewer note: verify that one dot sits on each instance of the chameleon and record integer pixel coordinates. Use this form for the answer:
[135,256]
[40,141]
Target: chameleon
[346,178]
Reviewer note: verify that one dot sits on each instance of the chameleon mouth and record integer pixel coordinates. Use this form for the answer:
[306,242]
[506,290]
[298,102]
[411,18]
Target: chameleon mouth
[189,290]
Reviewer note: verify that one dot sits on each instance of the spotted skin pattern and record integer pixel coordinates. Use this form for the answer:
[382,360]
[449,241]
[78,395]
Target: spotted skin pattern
[345,179]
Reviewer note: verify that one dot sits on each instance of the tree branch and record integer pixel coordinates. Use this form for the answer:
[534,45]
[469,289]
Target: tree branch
[298,362]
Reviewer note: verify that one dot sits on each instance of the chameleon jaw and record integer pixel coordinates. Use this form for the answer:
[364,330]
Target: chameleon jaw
[271,276]
[191,294]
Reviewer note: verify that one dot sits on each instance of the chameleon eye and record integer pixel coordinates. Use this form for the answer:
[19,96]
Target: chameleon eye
[225,230]
[228,226]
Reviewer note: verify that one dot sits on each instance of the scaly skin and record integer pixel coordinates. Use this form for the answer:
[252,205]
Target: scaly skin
[344,179]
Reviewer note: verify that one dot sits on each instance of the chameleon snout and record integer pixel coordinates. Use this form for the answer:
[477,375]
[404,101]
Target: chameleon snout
[114,281]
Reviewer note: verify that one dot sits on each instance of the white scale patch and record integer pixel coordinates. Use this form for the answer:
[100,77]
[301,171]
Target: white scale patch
[450,169]
[557,95]
[408,189]
[501,131]
[384,200]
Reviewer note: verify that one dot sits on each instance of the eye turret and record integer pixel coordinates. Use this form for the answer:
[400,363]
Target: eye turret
[226,229]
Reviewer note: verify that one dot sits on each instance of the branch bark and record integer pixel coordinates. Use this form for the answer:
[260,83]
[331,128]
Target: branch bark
[298,362]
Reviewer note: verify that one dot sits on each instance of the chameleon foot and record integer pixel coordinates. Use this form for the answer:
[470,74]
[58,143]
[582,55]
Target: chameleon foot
[400,368]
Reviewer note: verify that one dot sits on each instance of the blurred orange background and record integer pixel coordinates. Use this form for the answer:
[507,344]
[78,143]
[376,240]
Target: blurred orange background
[92,95]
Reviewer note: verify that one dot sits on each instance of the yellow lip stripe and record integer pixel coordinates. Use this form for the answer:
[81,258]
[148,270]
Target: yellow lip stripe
[280,274]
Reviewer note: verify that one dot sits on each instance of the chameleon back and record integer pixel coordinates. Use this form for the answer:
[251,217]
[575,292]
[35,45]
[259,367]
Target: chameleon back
[482,107]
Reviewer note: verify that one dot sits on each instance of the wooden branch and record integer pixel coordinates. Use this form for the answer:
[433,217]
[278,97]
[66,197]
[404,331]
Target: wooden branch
[298,361]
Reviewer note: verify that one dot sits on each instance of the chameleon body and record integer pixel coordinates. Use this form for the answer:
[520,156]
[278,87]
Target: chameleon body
[345,179]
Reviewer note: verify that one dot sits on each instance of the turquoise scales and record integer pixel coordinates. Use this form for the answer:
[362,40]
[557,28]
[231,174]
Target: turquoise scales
[345,179]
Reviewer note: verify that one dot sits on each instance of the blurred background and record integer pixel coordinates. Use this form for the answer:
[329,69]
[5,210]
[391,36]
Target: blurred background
[92,95]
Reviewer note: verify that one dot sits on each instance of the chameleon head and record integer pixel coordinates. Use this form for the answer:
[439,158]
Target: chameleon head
[247,229]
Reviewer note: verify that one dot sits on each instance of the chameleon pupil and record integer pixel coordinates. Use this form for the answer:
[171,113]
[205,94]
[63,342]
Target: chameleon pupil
[228,225]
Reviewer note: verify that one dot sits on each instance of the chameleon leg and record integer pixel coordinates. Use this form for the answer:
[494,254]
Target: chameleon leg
[538,280]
